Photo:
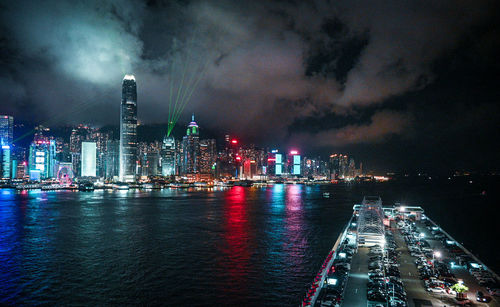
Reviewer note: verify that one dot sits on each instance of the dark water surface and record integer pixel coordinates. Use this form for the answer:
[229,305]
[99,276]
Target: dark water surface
[240,246]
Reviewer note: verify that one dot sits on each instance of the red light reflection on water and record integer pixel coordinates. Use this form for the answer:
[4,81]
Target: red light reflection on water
[236,235]
[295,239]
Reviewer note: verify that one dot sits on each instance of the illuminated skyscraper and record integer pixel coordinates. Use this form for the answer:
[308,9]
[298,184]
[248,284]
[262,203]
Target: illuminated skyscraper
[168,164]
[6,138]
[6,129]
[5,161]
[208,156]
[112,158]
[89,158]
[128,130]
[42,160]
[191,149]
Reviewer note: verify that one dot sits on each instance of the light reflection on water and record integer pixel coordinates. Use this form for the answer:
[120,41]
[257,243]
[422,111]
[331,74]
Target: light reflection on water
[247,246]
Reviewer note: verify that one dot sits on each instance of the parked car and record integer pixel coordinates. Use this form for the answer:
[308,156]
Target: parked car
[436,290]
[480,297]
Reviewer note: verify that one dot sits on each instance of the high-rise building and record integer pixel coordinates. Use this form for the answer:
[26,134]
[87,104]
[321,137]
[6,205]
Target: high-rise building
[191,149]
[294,162]
[112,159]
[168,163]
[6,139]
[42,159]
[278,164]
[128,129]
[6,130]
[334,166]
[89,158]
[5,161]
[208,156]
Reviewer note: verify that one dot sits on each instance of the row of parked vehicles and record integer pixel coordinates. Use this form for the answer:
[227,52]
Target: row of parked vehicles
[385,285]
[332,293]
[458,257]
[434,272]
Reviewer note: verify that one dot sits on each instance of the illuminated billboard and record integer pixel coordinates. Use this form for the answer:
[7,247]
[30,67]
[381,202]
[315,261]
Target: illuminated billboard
[278,159]
[296,160]
[88,159]
[296,165]
[279,164]
[278,169]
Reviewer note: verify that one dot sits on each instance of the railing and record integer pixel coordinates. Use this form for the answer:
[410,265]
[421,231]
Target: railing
[315,289]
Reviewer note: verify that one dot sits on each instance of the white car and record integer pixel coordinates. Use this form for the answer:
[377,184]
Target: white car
[436,290]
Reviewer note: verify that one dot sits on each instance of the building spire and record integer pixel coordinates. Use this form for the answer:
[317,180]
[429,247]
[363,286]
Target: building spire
[192,117]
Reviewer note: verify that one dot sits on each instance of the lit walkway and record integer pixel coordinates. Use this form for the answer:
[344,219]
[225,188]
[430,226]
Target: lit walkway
[355,292]
[416,294]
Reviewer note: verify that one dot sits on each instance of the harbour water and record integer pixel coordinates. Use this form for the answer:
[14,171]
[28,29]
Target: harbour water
[237,246]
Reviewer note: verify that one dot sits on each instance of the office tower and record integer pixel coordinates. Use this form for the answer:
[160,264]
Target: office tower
[6,130]
[89,158]
[168,153]
[42,160]
[191,149]
[352,168]
[278,164]
[6,139]
[112,159]
[344,166]
[128,130]
[294,162]
[5,161]
[208,156]
[334,166]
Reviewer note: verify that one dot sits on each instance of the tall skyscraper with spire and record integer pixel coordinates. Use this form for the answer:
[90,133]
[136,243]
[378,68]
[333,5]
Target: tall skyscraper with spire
[128,130]
[191,149]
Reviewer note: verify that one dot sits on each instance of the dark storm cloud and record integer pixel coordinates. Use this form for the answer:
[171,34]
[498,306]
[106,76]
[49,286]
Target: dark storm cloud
[265,63]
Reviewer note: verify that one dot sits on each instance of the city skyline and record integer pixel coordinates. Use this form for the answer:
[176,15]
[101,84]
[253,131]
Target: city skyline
[322,76]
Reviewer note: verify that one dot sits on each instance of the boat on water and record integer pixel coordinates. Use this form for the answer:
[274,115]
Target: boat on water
[151,186]
[52,187]
[86,186]
[243,183]
[29,186]
[121,186]
[201,184]
[180,185]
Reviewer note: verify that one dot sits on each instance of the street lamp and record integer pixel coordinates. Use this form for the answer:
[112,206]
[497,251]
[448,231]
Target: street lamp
[436,254]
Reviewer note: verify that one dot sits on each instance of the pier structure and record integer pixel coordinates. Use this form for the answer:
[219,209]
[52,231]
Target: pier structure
[371,222]
[344,277]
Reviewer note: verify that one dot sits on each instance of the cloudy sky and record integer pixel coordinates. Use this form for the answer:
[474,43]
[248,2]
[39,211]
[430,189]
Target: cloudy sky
[399,84]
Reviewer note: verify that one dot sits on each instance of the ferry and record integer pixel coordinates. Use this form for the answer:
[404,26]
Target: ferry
[121,186]
[86,186]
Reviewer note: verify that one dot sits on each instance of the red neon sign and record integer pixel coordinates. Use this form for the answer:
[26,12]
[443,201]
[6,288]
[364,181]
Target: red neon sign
[234,141]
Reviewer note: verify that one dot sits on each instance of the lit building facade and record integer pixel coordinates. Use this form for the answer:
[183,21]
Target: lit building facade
[128,130]
[89,158]
[208,156]
[191,149]
[168,159]
[42,159]
[5,161]
[112,159]
[6,140]
[6,130]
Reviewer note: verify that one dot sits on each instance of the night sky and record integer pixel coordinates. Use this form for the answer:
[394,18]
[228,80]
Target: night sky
[400,85]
